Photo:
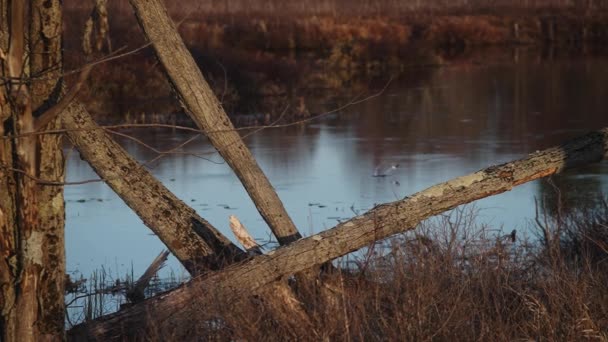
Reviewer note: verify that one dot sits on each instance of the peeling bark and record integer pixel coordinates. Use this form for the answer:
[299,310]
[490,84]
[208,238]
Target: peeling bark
[165,312]
[8,238]
[32,214]
[29,263]
[46,58]
[197,244]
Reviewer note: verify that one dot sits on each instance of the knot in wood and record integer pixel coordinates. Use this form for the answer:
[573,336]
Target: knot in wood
[506,175]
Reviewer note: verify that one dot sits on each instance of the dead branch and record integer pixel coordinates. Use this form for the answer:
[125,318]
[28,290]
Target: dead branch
[136,293]
[241,234]
[207,112]
[226,287]
[194,241]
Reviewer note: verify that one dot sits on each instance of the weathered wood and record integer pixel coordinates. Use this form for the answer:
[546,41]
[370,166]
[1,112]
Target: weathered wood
[277,298]
[226,287]
[243,236]
[52,113]
[33,253]
[287,310]
[195,242]
[46,58]
[137,293]
[8,233]
[207,112]
[30,261]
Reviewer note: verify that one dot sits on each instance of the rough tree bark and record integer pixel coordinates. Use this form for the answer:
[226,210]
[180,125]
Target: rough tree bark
[207,112]
[278,298]
[32,213]
[195,242]
[166,312]
[8,238]
[46,62]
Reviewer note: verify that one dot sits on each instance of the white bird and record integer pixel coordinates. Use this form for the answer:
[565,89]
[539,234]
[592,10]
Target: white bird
[384,171]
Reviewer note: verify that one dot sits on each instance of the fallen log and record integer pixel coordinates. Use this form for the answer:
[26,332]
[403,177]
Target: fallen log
[194,241]
[277,298]
[225,288]
[207,112]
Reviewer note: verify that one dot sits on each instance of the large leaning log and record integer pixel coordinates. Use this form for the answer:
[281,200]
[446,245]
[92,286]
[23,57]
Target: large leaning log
[227,287]
[195,242]
[206,111]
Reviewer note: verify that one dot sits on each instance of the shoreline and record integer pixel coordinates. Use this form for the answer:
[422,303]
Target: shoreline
[259,65]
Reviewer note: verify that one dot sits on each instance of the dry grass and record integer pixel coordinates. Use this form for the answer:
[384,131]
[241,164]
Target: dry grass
[455,280]
[450,279]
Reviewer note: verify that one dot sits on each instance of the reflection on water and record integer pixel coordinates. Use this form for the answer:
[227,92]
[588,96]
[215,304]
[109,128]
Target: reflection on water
[437,124]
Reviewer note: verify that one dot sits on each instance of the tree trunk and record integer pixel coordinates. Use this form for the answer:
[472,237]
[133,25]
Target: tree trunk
[195,242]
[32,283]
[223,289]
[207,112]
[8,231]
[46,59]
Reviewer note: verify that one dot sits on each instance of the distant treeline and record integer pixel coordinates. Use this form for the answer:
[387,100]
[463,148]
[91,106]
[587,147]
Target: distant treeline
[354,7]
[262,56]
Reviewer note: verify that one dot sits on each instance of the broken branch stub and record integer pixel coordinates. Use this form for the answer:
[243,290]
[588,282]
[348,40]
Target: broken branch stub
[241,234]
[137,292]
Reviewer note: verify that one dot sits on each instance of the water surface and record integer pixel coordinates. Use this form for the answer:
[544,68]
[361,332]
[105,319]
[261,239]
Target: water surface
[436,124]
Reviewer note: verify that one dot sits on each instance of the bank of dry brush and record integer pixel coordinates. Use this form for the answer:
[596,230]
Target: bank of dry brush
[455,279]
[452,278]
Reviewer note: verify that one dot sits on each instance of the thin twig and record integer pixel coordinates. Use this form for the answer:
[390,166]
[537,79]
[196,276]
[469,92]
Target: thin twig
[55,110]
[48,182]
[161,152]
[196,130]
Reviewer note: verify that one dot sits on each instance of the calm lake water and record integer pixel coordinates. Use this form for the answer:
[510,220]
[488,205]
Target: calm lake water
[436,124]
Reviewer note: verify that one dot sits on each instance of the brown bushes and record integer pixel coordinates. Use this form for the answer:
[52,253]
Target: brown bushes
[321,34]
[246,47]
[360,8]
[451,279]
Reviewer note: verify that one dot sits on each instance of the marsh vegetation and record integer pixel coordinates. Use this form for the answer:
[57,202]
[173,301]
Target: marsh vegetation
[417,265]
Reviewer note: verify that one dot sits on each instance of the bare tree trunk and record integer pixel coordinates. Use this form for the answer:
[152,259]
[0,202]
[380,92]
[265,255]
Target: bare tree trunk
[207,112]
[195,242]
[225,288]
[46,58]
[29,258]
[8,236]
[32,283]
